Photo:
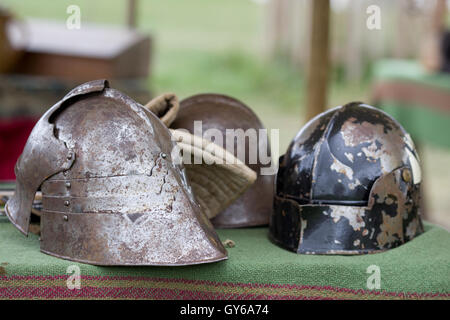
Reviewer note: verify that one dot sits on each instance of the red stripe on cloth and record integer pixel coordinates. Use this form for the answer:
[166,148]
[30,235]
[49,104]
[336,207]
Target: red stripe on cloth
[159,292]
[411,93]
[138,293]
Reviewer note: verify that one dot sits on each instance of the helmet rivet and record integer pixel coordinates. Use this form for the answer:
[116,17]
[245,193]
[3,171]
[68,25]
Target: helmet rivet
[68,184]
[66,218]
[406,175]
[66,203]
[163,155]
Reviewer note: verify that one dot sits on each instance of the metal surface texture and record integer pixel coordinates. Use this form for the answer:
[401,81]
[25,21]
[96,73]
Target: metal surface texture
[349,183]
[112,196]
[221,112]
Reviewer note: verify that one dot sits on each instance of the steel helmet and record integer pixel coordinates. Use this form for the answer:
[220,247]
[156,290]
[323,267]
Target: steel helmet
[349,183]
[220,112]
[110,195]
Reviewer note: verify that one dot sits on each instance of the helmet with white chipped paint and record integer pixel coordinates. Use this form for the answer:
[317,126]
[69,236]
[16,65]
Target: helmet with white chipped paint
[349,183]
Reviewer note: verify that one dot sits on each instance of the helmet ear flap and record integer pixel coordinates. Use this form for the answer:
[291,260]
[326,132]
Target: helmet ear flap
[395,193]
[390,189]
[43,156]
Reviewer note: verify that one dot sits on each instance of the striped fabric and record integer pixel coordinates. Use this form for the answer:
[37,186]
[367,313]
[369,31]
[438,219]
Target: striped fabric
[102,287]
[256,269]
[419,100]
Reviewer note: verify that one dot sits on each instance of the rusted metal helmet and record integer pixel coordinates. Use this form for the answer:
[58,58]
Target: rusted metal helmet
[349,183]
[219,112]
[110,195]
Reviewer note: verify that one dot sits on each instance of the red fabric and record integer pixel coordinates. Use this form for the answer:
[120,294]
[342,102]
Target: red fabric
[130,287]
[13,136]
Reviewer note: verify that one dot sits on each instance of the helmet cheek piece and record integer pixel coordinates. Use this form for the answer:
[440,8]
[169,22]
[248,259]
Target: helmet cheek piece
[17,208]
[390,219]
[43,156]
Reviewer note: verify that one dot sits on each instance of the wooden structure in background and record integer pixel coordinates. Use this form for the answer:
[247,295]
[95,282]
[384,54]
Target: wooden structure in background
[288,29]
[318,66]
[9,54]
[431,57]
[88,53]
[131,17]
[352,45]
[55,59]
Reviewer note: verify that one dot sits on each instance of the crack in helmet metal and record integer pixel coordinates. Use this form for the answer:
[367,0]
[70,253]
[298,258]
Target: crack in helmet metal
[349,183]
[110,195]
[220,112]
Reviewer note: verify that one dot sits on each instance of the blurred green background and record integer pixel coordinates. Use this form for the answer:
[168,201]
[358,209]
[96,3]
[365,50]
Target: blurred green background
[208,46]
[220,46]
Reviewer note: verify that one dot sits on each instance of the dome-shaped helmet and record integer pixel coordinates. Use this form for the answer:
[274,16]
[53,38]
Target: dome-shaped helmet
[222,113]
[349,183]
[110,194]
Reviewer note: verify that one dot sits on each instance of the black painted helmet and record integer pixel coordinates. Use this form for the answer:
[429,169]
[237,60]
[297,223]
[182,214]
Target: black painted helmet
[349,183]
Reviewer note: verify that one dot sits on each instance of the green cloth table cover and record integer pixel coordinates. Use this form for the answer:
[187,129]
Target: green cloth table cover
[256,269]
